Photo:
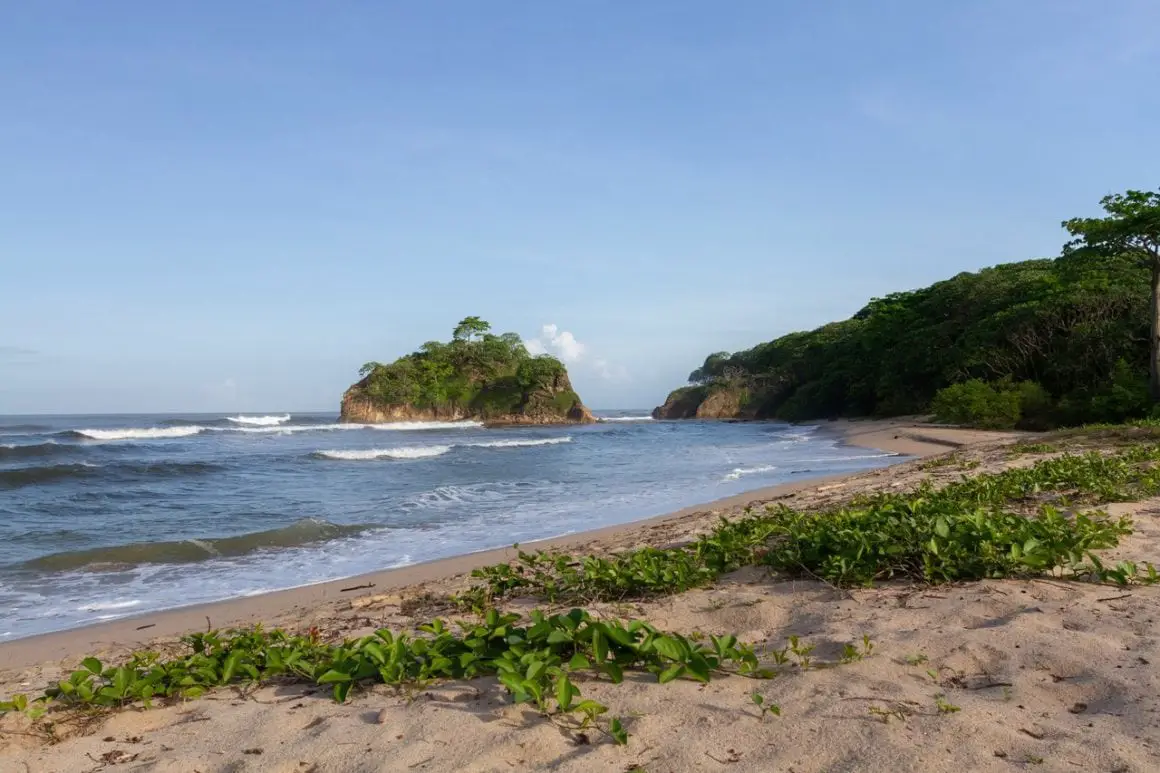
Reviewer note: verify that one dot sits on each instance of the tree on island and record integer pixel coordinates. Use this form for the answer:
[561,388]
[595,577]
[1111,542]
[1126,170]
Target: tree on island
[477,372]
[470,328]
[1132,227]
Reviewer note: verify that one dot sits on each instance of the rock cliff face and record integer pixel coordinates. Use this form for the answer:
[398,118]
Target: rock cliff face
[555,404]
[700,402]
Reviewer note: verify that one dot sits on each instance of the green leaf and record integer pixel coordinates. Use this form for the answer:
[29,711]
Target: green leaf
[669,647]
[614,671]
[942,528]
[671,673]
[93,665]
[122,678]
[599,646]
[333,676]
[565,692]
[535,669]
[618,733]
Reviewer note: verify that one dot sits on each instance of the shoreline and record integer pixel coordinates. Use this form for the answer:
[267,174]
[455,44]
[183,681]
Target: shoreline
[907,439]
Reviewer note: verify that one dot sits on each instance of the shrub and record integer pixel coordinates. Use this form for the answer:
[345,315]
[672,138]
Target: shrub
[1124,397]
[1036,408]
[977,404]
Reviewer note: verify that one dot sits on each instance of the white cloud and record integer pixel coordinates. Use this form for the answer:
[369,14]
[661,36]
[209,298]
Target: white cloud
[563,344]
[560,343]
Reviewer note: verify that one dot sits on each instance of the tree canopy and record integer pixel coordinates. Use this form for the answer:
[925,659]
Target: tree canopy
[1131,228]
[1072,326]
[476,372]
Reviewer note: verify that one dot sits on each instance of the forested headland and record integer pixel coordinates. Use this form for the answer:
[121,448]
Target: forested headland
[1034,344]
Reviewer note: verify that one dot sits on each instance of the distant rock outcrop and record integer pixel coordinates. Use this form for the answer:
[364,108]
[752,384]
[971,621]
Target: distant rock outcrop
[476,376]
[704,402]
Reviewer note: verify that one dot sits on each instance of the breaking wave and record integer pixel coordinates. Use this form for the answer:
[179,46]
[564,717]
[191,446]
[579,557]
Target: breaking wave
[413,452]
[468,494]
[302,532]
[263,425]
[48,448]
[136,433]
[425,452]
[548,441]
[625,418]
[740,472]
[260,421]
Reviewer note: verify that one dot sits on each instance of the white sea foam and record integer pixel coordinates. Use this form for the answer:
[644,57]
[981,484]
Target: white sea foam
[399,426]
[548,441]
[841,458]
[738,472]
[260,421]
[472,493]
[416,425]
[625,418]
[139,433]
[424,452]
[404,452]
[106,606]
[282,429]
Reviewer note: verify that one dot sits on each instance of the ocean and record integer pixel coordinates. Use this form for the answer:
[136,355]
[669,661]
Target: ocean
[107,516]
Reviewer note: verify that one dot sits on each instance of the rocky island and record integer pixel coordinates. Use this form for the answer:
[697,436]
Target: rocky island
[477,375]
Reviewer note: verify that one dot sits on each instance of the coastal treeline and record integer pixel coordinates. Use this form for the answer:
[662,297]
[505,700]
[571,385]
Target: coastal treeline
[1036,344]
[476,372]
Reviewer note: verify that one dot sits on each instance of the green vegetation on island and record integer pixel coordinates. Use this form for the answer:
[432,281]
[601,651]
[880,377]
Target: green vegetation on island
[476,375]
[1034,344]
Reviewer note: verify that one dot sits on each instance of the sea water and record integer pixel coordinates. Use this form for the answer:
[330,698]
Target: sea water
[107,516]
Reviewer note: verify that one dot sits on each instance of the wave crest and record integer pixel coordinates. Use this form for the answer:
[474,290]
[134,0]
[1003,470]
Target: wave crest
[404,452]
[48,448]
[426,452]
[549,441]
[624,418]
[739,472]
[409,425]
[302,532]
[138,433]
[260,421]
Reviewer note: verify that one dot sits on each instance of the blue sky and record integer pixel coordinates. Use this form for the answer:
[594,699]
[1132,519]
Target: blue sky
[231,206]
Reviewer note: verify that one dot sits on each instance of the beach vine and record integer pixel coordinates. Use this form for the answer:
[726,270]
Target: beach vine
[540,661]
[1019,522]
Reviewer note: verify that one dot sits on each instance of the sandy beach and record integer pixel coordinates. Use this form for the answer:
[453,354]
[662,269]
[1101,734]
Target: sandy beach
[1044,675]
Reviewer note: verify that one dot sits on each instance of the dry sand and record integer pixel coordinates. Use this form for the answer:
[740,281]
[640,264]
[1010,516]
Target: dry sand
[1047,675]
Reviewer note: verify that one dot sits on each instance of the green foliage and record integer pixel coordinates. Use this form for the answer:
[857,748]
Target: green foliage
[1018,449]
[1124,397]
[535,662]
[764,708]
[1132,226]
[476,372]
[944,706]
[1036,408]
[1060,324]
[977,403]
[470,328]
[973,529]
